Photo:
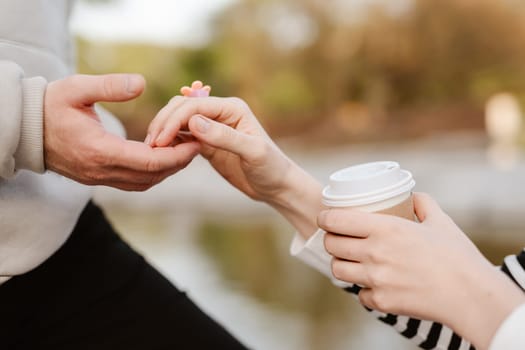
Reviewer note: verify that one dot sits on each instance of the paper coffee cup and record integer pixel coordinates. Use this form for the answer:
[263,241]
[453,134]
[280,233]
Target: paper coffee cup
[373,187]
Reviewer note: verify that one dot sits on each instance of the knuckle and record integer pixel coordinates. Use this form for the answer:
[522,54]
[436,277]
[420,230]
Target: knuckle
[377,254]
[329,243]
[380,301]
[239,102]
[331,221]
[378,278]
[99,157]
[108,85]
[364,298]
[260,150]
[176,99]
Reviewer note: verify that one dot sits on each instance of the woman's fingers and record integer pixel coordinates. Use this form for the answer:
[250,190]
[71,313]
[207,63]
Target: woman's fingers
[345,247]
[157,125]
[425,206]
[226,138]
[176,115]
[350,272]
[355,222]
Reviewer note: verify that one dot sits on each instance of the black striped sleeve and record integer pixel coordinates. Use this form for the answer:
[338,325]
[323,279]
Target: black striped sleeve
[355,289]
[426,334]
[437,338]
[521,258]
[455,342]
[433,337]
[514,267]
[412,327]
[506,271]
[389,319]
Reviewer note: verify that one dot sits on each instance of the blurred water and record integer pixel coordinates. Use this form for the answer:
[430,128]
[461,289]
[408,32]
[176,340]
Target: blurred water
[231,254]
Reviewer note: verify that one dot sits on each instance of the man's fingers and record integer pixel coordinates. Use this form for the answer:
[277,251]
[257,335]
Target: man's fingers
[162,158]
[134,155]
[135,173]
[129,180]
[89,89]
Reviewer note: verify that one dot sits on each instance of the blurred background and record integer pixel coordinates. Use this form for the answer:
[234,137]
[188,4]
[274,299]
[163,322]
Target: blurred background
[438,86]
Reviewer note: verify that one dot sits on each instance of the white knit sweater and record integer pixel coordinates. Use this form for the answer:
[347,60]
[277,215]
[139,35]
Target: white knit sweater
[38,209]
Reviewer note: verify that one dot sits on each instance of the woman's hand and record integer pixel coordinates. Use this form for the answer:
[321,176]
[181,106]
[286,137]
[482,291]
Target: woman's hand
[239,149]
[429,270]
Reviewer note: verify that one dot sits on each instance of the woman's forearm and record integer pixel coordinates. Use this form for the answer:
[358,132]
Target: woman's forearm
[486,298]
[300,200]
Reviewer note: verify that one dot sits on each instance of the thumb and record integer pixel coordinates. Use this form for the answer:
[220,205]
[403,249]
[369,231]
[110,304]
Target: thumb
[221,136]
[425,206]
[89,89]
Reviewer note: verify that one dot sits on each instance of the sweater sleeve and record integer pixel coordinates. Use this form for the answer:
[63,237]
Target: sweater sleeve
[425,334]
[21,121]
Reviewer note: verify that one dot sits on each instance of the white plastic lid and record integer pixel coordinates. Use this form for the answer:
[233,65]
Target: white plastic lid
[367,183]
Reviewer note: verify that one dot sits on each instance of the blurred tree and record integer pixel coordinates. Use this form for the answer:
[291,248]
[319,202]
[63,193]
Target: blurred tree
[300,64]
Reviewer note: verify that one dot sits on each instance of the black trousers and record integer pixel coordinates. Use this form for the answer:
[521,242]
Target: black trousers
[95,292]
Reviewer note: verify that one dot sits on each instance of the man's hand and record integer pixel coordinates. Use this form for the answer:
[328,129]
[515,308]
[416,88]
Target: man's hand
[77,146]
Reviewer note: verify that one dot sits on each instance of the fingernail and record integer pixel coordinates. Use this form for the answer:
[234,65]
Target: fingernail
[203,124]
[134,83]
[160,137]
[147,141]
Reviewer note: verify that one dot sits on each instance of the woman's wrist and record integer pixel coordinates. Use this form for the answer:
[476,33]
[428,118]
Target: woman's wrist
[488,298]
[299,200]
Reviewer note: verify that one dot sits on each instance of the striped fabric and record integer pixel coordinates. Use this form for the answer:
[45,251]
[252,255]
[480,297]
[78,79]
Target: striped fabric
[433,335]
